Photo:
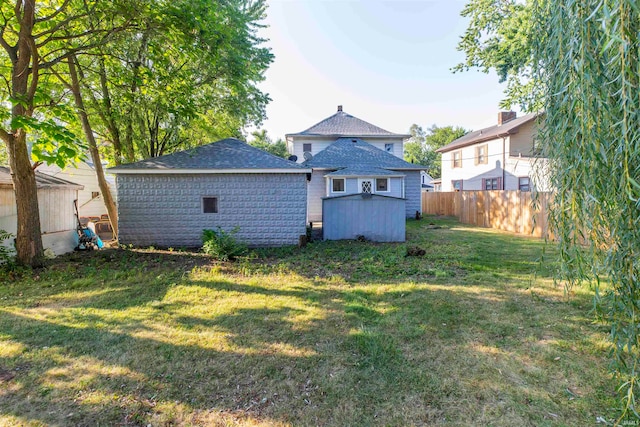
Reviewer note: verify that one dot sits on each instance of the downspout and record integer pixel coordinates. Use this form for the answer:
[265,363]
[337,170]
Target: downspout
[504,161]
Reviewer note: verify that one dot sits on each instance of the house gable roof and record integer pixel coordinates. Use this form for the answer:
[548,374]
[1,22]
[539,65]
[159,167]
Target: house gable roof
[43,180]
[343,124]
[225,156]
[489,133]
[356,154]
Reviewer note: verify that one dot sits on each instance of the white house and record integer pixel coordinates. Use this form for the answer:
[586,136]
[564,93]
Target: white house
[351,156]
[90,201]
[58,221]
[321,135]
[500,157]
[426,181]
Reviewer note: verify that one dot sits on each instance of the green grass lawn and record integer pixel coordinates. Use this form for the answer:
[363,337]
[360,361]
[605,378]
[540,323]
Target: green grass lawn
[475,332]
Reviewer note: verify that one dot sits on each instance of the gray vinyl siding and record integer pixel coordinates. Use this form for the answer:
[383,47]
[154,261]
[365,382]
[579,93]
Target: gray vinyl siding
[377,218]
[413,193]
[166,210]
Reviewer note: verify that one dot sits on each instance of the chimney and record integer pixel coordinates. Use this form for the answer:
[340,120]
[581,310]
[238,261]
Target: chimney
[505,116]
[339,108]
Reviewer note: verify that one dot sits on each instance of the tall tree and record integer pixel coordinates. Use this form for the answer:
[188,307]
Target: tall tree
[187,76]
[35,36]
[260,139]
[421,146]
[590,75]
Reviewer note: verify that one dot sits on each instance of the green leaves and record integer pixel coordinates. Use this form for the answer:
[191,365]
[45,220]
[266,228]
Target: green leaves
[588,67]
[421,147]
[51,141]
[499,38]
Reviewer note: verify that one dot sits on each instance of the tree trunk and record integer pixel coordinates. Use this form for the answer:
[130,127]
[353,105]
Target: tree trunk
[29,249]
[108,115]
[93,147]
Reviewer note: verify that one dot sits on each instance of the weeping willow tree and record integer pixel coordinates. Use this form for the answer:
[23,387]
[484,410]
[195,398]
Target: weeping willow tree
[589,61]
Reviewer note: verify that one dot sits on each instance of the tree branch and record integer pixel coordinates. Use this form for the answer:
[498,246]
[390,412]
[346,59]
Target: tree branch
[11,51]
[54,14]
[5,136]
[35,70]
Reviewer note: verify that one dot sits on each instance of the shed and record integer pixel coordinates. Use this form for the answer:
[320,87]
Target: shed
[56,204]
[375,217]
[168,200]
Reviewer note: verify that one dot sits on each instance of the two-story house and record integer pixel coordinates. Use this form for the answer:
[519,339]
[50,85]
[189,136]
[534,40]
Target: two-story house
[500,157]
[351,156]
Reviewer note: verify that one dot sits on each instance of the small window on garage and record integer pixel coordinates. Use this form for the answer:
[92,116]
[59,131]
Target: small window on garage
[306,147]
[388,148]
[209,205]
[382,185]
[337,185]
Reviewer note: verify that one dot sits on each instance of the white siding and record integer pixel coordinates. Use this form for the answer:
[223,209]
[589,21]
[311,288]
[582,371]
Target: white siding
[84,175]
[57,217]
[514,166]
[316,190]
[295,145]
[471,173]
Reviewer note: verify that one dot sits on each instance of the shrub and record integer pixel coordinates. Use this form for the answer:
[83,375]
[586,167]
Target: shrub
[222,245]
[6,252]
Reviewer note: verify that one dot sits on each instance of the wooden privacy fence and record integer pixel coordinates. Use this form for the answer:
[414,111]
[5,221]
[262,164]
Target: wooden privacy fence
[504,210]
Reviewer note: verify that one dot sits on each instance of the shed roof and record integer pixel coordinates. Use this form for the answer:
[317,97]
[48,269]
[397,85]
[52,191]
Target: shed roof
[343,124]
[357,154]
[43,180]
[486,134]
[225,156]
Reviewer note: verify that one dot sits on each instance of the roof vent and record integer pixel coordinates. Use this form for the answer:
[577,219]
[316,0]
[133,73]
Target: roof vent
[293,158]
[354,140]
[339,108]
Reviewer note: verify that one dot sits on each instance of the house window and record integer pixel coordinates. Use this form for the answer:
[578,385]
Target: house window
[456,159]
[366,187]
[492,184]
[337,184]
[382,185]
[306,148]
[456,185]
[481,155]
[388,148]
[524,183]
[95,194]
[209,205]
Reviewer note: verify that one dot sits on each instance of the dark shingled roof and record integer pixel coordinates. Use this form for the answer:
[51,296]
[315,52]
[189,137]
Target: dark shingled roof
[343,124]
[228,153]
[358,171]
[42,180]
[355,153]
[486,134]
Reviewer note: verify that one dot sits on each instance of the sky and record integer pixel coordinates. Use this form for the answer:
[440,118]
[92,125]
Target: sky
[386,62]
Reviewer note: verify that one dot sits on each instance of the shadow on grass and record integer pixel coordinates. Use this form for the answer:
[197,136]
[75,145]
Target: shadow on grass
[352,365]
[453,350]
